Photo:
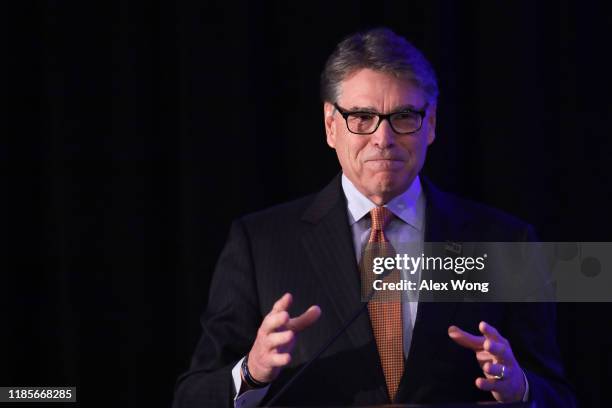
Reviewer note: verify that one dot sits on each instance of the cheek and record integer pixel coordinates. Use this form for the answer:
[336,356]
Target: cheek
[415,148]
[356,152]
[351,151]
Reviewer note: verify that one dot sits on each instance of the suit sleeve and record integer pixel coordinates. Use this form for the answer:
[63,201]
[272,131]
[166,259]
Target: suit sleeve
[229,327]
[533,341]
[532,336]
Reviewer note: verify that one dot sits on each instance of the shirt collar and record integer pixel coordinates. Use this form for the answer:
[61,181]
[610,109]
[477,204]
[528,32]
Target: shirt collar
[408,206]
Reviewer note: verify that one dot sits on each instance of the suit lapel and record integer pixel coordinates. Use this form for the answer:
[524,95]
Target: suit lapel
[329,247]
[330,250]
[442,224]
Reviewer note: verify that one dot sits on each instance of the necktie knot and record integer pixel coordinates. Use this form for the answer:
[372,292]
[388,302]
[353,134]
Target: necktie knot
[380,218]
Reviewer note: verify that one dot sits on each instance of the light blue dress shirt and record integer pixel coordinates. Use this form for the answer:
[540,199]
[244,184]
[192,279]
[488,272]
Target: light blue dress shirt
[407,227]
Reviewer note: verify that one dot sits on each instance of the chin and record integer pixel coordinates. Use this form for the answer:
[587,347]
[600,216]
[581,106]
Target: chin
[390,181]
[386,189]
[394,184]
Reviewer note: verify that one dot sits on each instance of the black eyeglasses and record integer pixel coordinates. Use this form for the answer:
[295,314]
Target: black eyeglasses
[365,123]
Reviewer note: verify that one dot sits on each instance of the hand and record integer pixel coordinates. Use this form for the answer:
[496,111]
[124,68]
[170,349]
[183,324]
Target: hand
[276,339]
[493,353]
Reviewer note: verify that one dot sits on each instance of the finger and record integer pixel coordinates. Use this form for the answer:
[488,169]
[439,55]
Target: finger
[273,321]
[283,303]
[484,356]
[280,359]
[490,332]
[287,347]
[466,339]
[497,349]
[489,384]
[306,319]
[280,339]
[495,370]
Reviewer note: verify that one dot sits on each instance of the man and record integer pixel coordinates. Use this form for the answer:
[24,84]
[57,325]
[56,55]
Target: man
[289,277]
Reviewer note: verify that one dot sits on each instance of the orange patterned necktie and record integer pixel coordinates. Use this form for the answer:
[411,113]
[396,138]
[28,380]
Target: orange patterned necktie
[385,308]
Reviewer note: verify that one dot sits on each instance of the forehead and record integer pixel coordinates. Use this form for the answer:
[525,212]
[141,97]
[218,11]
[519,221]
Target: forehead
[380,90]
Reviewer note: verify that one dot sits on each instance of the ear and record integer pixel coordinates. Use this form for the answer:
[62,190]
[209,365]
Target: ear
[330,123]
[431,124]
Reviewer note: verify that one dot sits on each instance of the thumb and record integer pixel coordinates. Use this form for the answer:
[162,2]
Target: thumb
[305,320]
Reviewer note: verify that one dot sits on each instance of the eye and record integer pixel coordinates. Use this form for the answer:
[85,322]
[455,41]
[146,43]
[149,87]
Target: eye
[405,116]
[406,122]
[362,116]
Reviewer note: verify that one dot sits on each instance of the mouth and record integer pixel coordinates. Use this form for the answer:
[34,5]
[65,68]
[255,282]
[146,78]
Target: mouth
[383,160]
[385,164]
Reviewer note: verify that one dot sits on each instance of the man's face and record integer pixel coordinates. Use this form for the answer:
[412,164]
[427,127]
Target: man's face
[384,164]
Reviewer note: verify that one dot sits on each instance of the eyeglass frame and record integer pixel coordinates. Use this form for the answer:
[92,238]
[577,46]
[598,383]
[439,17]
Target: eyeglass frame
[345,114]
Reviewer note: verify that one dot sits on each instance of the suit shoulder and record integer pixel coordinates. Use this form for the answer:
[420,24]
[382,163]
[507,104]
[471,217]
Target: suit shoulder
[284,214]
[482,222]
[479,211]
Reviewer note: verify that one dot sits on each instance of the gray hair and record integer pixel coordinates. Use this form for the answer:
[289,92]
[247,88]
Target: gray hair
[379,49]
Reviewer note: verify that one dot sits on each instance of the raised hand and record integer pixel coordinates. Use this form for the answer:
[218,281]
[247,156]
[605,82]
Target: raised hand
[503,376]
[276,339]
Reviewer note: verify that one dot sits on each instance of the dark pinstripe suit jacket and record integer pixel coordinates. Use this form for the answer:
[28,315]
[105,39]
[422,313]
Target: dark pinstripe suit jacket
[305,247]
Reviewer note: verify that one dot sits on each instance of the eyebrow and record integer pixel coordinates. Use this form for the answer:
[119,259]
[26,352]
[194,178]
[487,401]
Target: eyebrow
[372,109]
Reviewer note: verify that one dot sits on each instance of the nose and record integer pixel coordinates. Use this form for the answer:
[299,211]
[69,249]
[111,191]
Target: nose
[384,137]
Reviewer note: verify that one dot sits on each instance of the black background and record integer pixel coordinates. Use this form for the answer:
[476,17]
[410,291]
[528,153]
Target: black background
[142,129]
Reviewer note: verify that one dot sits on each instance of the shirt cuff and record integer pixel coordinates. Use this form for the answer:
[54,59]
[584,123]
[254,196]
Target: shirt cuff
[250,398]
[526,395]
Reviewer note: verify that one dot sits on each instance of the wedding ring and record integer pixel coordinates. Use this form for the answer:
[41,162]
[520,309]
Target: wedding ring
[503,372]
